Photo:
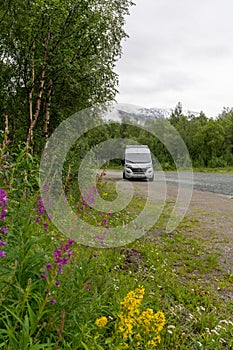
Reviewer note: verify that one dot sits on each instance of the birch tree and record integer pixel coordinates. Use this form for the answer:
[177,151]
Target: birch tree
[62,54]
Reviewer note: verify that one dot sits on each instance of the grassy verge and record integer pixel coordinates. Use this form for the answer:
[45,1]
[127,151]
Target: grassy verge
[57,294]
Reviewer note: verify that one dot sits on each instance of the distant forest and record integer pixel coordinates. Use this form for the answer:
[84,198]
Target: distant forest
[209,141]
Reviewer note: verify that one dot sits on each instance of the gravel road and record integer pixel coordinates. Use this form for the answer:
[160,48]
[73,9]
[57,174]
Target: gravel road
[216,183]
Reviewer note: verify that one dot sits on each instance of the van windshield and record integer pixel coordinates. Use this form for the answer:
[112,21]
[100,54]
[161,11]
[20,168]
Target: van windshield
[138,158]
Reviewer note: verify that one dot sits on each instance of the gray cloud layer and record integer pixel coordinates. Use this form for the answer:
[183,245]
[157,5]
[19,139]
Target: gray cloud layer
[178,51]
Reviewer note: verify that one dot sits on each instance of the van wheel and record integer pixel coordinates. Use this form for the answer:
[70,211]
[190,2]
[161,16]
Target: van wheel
[151,179]
[123,175]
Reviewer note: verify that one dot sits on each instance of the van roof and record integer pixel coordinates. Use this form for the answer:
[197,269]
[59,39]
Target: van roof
[130,150]
[136,146]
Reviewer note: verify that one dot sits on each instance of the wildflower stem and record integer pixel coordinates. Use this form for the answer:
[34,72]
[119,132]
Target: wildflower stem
[61,329]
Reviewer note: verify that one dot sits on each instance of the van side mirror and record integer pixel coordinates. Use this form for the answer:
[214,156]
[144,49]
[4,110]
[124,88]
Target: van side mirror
[154,161]
[122,162]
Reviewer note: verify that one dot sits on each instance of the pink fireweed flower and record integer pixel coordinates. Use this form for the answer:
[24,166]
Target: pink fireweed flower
[70,242]
[3,197]
[56,253]
[2,254]
[3,213]
[45,187]
[88,200]
[97,237]
[61,257]
[45,226]
[52,301]
[4,230]
[40,208]
[60,262]
[95,191]
[89,192]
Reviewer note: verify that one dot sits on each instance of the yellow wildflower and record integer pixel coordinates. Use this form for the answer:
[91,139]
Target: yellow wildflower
[132,301]
[101,322]
[159,320]
[153,343]
[133,322]
[138,336]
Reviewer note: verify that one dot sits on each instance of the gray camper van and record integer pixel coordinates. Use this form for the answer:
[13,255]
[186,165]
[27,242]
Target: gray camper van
[137,163]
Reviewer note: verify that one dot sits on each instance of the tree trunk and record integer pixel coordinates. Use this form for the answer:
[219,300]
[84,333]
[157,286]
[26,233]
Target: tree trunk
[47,109]
[32,86]
[34,117]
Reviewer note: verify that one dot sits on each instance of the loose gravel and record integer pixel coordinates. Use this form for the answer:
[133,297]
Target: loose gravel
[216,183]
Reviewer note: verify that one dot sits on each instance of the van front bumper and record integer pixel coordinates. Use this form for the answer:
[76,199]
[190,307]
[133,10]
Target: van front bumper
[138,173]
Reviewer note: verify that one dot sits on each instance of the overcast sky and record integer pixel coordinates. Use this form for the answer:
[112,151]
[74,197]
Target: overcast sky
[178,51]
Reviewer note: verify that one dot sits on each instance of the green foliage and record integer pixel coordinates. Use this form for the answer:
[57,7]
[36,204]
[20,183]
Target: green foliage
[57,57]
[19,169]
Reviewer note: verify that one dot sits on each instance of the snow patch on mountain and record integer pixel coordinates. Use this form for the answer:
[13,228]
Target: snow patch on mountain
[120,111]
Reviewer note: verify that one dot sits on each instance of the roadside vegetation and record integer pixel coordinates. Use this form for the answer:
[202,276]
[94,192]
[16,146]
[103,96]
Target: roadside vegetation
[164,291]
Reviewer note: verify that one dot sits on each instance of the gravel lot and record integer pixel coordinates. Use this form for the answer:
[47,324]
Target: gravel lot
[217,183]
[211,205]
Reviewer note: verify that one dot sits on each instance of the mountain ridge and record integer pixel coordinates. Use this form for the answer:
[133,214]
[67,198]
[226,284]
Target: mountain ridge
[120,111]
